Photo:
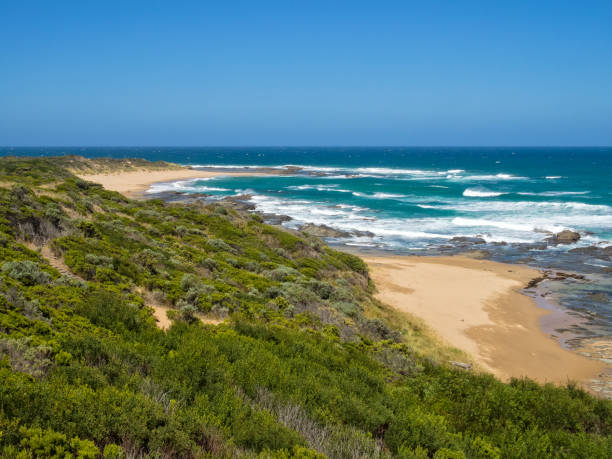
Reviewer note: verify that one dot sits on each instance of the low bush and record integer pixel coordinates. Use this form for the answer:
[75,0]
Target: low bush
[27,272]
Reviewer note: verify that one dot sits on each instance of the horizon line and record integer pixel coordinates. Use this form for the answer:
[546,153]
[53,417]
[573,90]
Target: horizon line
[303,146]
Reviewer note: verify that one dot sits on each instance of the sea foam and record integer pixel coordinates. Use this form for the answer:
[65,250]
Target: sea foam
[481,193]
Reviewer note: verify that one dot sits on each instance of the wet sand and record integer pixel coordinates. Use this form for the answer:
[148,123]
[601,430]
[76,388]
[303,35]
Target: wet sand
[476,306]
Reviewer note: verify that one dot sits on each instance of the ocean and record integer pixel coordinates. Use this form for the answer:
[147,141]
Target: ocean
[504,202]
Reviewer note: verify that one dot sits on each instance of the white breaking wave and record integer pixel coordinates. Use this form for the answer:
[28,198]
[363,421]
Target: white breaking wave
[318,188]
[230,166]
[553,177]
[360,172]
[388,195]
[560,208]
[527,227]
[554,193]
[481,193]
[378,195]
[387,231]
[181,185]
[391,171]
[522,225]
[212,188]
[496,177]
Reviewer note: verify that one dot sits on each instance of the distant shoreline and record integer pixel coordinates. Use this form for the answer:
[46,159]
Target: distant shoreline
[134,184]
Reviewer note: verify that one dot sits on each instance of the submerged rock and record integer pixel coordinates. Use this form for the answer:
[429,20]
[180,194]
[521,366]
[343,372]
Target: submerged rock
[240,202]
[565,237]
[604,253]
[600,297]
[463,240]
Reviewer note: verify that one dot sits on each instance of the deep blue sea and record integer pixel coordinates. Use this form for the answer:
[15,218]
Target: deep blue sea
[416,200]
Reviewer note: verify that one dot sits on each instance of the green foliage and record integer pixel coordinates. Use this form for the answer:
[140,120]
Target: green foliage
[113,451]
[26,271]
[48,443]
[353,262]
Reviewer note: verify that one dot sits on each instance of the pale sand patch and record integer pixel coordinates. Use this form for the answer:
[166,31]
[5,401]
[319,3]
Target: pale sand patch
[134,183]
[161,316]
[476,306]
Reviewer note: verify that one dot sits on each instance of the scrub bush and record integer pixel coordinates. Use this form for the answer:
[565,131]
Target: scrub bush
[26,271]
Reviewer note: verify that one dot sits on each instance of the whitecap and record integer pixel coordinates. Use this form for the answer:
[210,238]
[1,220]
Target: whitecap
[554,193]
[333,187]
[391,171]
[480,222]
[388,196]
[179,185]
[486,177]
[481,193]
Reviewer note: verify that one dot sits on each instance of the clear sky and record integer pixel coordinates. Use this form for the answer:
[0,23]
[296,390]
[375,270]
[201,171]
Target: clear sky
[305,72]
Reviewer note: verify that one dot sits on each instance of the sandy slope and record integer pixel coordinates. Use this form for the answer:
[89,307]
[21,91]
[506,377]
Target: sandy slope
[475,305]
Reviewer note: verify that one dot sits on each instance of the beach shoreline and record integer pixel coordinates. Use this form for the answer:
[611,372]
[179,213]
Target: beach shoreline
[134,184]
[477,306]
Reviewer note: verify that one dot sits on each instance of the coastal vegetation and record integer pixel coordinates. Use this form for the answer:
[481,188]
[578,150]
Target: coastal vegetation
[305,363]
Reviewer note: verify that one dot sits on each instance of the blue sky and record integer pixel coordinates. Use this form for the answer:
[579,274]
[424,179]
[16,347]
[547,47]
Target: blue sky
[305,73]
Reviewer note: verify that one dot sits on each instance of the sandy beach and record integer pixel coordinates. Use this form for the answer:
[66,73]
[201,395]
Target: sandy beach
[134,183]
[476,306]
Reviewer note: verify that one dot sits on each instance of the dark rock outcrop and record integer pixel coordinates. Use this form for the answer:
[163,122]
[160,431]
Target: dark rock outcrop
[603,253]
[463,240]
[363,233]
[565,237]
[275,219]
[323,231]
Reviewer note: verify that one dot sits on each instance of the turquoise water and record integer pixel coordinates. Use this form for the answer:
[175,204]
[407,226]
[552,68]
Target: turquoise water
[415,198]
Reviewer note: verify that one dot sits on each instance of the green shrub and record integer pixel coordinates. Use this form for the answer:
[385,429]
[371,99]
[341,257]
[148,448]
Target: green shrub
[350,309]
[26,272]
[353,262]
[282,273]
[48,443]
[220,246]
[112,451]
[99,260]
